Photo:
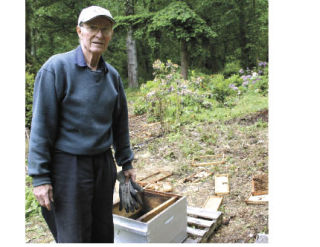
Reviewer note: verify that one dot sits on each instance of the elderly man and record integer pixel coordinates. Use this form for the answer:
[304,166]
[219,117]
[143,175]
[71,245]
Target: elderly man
[79,112]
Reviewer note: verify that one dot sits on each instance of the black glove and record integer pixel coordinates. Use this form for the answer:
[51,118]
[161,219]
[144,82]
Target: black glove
[129,197]
[135,191]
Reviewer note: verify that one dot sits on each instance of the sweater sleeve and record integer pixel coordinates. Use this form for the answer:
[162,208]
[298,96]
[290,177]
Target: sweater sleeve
[120,126]
[43,127]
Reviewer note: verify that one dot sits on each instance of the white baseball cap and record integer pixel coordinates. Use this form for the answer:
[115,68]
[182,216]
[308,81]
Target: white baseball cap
[92,12]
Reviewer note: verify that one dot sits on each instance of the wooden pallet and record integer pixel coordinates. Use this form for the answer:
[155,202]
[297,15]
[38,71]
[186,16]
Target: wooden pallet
[201,224]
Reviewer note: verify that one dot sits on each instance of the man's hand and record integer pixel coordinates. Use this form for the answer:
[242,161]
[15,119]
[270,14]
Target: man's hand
[129,191]
[131,173]
[44,195]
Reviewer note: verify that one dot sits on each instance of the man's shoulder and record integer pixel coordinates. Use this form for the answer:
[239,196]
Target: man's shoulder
[59,61]
[112,70]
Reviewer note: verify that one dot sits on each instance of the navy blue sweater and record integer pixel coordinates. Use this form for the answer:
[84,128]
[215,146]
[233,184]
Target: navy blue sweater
[77,111]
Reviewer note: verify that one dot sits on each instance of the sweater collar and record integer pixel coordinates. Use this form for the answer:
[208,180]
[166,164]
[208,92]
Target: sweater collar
[80,61]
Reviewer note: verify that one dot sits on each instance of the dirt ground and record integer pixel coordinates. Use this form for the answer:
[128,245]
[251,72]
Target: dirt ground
[243,141]
[244,144]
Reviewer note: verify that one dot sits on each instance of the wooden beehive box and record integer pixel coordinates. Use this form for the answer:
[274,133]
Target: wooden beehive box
[162,219]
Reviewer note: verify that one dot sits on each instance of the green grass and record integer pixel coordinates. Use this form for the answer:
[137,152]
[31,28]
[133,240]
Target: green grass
[246,104]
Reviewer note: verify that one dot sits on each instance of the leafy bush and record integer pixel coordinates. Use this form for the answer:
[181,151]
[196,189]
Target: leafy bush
[220,88]
[252,80]
[173,101]
[169,96]
[231,68]
[28,98]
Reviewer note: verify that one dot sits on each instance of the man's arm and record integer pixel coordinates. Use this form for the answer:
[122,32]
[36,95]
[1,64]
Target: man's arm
[121,139]
[42,136]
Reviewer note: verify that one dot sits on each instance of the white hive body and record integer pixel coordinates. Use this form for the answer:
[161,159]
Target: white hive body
[162,219]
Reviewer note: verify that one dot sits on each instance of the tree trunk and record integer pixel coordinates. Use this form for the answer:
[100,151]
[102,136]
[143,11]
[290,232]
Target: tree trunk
[243,34]
[184,59]
[132,60]
[131,49]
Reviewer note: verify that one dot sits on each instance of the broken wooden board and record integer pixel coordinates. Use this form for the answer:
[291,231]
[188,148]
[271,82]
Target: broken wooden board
[259,185]
[154,177]
[221,182]
[159,186]
[262,199]
[213,202]
[201,224]
[195,177]
[206,160]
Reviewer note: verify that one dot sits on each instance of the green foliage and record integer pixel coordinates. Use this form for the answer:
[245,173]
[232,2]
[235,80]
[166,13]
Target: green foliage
[175,102]
[28,98]
[32,207]
[220,35]
[256,80]
[231,68]
[181,22]
[220,88]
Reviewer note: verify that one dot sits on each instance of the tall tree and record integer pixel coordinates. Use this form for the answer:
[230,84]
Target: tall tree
[131,49]
[183,24]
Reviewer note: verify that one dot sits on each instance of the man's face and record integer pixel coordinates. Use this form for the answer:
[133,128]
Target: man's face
[95,35]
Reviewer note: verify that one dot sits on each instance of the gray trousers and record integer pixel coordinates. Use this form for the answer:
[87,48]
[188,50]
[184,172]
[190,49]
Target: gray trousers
[83,188]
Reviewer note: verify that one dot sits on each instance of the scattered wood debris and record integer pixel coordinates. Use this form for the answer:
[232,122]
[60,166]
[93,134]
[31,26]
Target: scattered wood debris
[221,184]
[262,199]
[208,160]
[213,202]
[260,185]
[158,186]
[154,181]
[154,177]
[195,177]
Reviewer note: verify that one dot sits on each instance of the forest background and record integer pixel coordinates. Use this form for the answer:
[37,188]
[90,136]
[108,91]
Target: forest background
[294,57]
[206,37]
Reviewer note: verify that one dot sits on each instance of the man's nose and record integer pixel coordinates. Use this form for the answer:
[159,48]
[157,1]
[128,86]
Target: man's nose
[99,33]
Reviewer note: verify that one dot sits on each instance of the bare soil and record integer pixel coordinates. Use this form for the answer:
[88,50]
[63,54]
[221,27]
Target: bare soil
[242,141]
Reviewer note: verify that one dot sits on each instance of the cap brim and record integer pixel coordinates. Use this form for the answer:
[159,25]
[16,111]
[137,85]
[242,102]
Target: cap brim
[109,18]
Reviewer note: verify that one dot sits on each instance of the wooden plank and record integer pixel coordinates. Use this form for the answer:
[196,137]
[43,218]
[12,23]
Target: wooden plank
[165,175]
[155,211]
[213,202]
[155,177]
[205,213]
[221,184]
[191,241]
[199,222]
[196,232]
[148,176]
[208,234]
[262,199]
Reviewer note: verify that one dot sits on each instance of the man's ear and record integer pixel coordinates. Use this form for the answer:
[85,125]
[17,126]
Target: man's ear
[78,31]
